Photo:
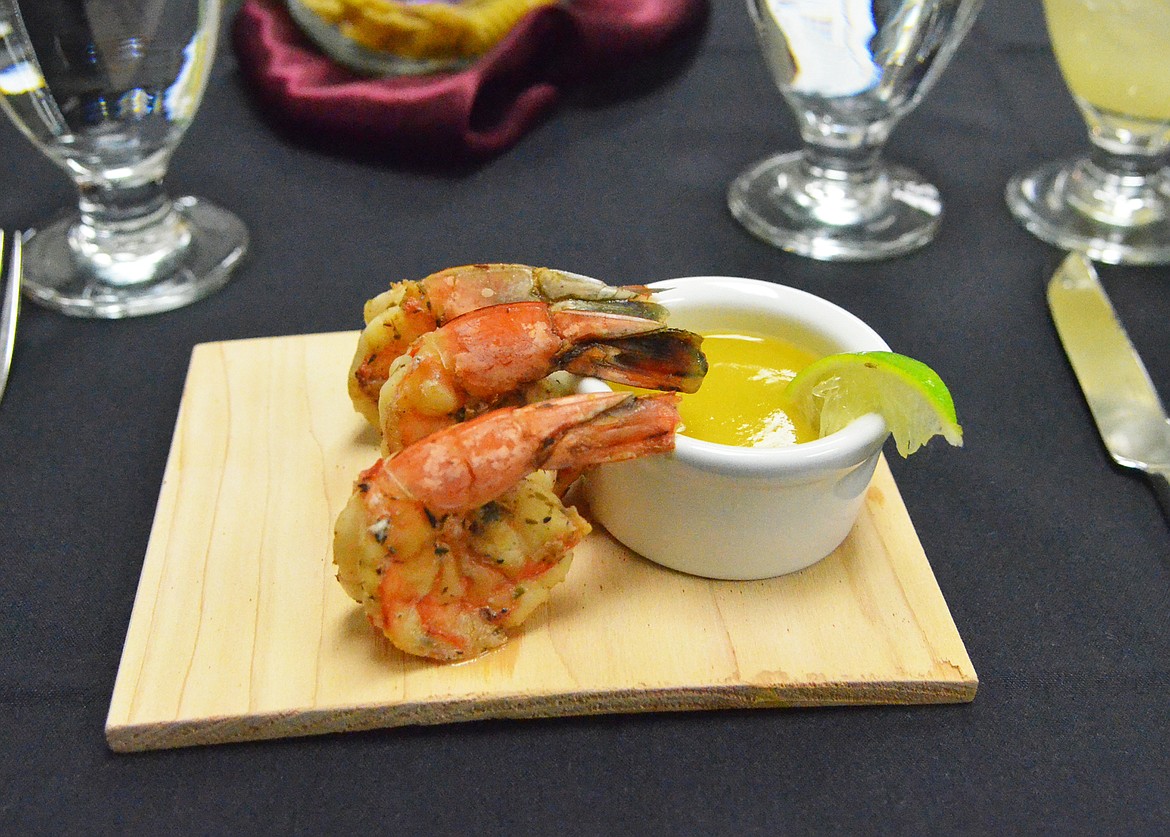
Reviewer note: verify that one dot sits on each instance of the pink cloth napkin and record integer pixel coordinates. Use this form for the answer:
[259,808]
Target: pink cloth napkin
[471,114]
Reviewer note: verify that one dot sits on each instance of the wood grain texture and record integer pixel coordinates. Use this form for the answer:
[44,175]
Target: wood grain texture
[239,630]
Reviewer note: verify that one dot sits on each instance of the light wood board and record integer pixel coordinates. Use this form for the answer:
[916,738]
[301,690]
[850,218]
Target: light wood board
[240,631]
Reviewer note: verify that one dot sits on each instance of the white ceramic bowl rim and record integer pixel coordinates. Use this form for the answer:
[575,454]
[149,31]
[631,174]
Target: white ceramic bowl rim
[846,448]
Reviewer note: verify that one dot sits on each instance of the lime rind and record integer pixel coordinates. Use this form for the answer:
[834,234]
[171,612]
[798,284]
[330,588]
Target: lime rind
[908,394]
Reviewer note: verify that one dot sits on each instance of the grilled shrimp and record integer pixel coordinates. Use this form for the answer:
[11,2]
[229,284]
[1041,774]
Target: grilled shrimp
[488,357]
[459,537]
[409,309]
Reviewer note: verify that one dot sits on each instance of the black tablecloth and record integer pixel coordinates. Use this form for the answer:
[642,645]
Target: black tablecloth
[1055,564]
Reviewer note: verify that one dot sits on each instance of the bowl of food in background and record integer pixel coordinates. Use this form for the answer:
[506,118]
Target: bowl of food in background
[751,490]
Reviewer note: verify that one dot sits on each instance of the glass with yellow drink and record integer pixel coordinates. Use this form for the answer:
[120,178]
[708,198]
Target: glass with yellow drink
[1111,204]
[1113,54]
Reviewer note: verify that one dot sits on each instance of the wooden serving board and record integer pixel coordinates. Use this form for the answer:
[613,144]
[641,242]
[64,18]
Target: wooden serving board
[240,631]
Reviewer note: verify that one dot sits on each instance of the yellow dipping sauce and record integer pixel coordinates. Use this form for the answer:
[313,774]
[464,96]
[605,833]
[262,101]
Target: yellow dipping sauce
[741,401]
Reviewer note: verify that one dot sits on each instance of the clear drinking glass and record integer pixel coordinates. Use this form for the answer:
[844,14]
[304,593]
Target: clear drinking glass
[106,89]
[1114,204]
[849,69]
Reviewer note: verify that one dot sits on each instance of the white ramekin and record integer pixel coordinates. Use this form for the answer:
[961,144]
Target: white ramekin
[727,512]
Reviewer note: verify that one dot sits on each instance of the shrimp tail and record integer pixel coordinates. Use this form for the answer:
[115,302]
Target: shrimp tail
[636,427]
[633,307]
[577,325]
[666,359]
[572,290]
[458,290]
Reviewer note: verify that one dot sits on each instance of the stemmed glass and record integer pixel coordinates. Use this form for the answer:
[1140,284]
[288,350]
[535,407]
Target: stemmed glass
[1114,204]
[106,89]
[849,69]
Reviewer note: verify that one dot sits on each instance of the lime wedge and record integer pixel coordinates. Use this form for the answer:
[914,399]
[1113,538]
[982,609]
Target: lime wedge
[908,394]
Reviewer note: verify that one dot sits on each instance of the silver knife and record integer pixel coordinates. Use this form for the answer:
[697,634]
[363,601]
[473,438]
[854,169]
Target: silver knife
[1129,415]
[9,305]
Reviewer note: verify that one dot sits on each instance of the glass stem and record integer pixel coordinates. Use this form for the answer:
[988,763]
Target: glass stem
[119,208]
[127,233]
[1118,189]
[844,186]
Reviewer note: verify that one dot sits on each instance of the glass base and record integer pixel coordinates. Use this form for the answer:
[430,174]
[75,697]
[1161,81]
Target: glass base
[820,218]
[55,277]
[1040,201]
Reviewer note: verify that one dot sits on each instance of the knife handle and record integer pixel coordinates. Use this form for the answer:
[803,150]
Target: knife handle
[1160,479]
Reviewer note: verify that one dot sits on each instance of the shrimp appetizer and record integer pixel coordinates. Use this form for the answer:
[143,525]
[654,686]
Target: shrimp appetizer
[489,357]
[459,537]
[409,309]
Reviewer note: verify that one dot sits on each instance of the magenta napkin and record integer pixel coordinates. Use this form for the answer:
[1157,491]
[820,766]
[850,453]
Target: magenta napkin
[472,113]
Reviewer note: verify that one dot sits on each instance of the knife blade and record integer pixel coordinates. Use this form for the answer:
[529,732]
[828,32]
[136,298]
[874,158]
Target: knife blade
[10,268]
[1122,398]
